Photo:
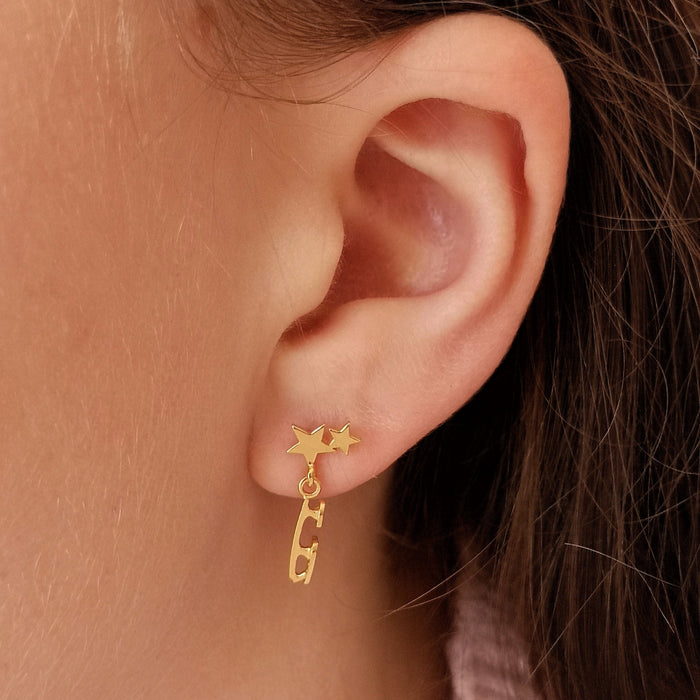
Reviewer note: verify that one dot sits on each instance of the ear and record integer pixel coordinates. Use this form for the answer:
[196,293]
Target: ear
[452,155]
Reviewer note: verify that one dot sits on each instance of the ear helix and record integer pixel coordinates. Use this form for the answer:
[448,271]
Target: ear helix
[310,446]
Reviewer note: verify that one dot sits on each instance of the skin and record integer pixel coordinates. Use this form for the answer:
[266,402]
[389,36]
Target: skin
[134,276]
[159,236]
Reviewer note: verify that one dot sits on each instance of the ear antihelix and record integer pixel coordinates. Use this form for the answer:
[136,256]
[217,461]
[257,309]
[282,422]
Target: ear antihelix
[310,445]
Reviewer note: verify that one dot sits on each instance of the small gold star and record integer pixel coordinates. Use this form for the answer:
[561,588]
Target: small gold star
[309,444]
[342,439]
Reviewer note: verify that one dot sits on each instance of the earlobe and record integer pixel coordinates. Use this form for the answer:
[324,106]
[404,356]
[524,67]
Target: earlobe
[448,210]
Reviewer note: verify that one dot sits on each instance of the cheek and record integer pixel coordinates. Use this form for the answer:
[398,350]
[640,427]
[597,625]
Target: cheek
[131,342]
[125,373]
[134,325]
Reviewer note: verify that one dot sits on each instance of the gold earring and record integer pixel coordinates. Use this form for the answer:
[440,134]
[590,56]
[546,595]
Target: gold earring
[310,445]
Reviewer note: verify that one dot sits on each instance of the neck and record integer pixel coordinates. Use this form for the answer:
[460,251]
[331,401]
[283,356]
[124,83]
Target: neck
[258,635]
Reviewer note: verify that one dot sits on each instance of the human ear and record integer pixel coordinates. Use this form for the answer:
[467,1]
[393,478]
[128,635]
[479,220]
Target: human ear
[452,156]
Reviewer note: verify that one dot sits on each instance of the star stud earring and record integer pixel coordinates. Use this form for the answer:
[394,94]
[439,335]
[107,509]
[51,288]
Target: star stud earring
[342,439]
[310,446]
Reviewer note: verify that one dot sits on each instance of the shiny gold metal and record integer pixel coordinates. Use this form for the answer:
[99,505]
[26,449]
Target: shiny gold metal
[306,512]
[310,445]
[342,439]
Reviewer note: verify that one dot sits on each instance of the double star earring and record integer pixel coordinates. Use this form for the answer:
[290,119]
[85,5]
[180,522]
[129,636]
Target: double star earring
[310,446]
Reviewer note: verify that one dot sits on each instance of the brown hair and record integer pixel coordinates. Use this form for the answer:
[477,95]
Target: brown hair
[582,482]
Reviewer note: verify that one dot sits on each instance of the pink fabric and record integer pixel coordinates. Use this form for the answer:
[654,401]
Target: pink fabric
[486,663]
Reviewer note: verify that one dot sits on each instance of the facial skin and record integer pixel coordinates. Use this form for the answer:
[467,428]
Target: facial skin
[159,235]
[137,316]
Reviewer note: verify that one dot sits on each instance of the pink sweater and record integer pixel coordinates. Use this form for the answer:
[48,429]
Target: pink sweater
[486,663]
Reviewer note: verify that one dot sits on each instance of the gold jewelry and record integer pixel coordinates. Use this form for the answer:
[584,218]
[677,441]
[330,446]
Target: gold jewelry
[310,445]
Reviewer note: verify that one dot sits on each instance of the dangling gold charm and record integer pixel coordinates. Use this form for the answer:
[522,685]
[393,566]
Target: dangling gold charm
[310,445]
[306,512]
